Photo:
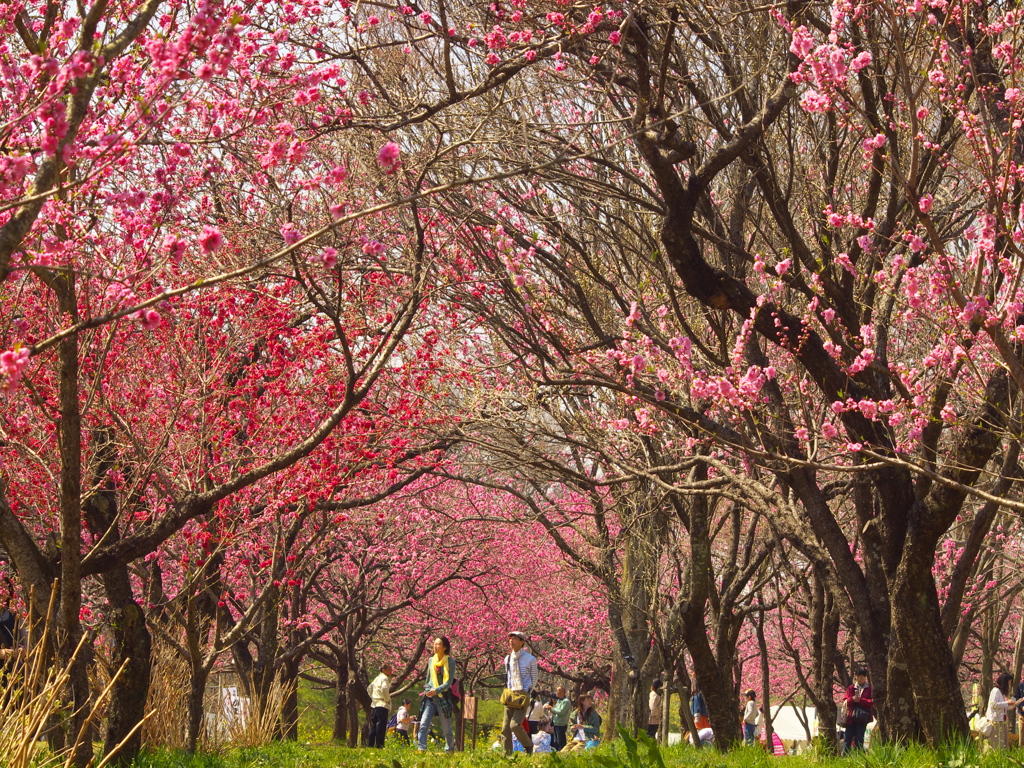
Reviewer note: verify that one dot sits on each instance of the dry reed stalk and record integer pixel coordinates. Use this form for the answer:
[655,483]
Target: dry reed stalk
[262,723]
[31,697]
[168,695]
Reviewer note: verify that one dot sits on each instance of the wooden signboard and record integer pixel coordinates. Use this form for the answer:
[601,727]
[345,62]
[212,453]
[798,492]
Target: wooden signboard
[469,707]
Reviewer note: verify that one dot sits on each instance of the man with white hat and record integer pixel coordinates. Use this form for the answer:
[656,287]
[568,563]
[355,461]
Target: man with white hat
[521,675]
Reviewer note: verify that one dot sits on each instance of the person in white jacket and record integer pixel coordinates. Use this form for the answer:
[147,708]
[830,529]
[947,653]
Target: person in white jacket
[380,706]
[750,717]
[998,704]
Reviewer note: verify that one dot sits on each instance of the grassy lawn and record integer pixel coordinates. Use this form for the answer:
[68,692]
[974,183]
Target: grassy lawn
[314,750]
[619,754]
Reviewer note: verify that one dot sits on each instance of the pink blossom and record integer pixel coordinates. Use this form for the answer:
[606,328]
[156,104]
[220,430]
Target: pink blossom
[211,240]
[925,203]
[862,60]
[496,40]
[373,21]
[290,234]
[802,42]
[12,367]
[149,319]
[530,55]
[373,248]
[388,157]
[873,142]
[492,59]
[328,257]
[615,38]
[829,431]
[922,113]
[869,408]
[813,101]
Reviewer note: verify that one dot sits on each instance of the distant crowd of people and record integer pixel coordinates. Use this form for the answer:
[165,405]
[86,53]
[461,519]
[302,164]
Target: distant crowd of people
[531,720]
[537,722]
[853,717]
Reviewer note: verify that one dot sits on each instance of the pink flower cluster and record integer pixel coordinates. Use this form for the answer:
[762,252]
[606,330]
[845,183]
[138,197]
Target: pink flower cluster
[12,367]
[149,319]
[825,67]
[388,157]
[211,240]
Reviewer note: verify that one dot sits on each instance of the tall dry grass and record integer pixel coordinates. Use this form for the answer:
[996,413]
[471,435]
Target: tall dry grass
[168,695]
[258,728]
[32,698]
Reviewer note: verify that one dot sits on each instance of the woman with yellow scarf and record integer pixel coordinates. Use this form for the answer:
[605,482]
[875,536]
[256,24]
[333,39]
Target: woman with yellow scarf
[436,699]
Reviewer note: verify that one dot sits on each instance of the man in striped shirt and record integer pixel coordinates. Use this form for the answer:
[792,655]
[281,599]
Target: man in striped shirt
[521,675]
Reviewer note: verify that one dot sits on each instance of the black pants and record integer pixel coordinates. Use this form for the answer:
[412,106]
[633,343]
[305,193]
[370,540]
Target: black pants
[378,726]
[652,730]
[558,737]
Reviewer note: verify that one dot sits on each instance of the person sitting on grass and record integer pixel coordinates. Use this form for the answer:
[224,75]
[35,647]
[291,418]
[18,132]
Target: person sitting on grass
[585,725]
[542,739]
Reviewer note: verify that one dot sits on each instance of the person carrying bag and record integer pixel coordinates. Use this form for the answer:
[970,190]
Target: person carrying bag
[859,710]
[521,675]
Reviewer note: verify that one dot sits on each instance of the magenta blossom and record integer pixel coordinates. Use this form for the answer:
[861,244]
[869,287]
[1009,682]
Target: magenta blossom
[211,240]
[388,157]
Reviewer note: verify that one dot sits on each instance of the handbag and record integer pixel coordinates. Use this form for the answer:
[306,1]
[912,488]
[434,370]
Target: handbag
[986,727]
[859,715]
[515,699]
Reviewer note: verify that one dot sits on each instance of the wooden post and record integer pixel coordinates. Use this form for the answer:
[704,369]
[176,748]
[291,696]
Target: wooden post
[460,729]
[469,713]
[666,712]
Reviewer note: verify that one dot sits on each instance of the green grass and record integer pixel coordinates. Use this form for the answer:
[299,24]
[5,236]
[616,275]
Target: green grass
[622,753]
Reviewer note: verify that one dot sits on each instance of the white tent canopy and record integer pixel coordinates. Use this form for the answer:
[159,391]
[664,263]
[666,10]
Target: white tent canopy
[786,721]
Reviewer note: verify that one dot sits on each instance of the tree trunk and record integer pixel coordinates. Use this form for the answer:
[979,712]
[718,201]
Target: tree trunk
[766,691]
[131,641]
[69,441]
[713,675]
[919,639]
[196,696]
[354,731]
[132,647]
[340,732]
[290,710]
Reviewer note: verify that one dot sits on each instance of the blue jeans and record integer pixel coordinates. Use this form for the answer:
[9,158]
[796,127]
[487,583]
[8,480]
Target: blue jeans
[427,712]
[748,733]
[854,737]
